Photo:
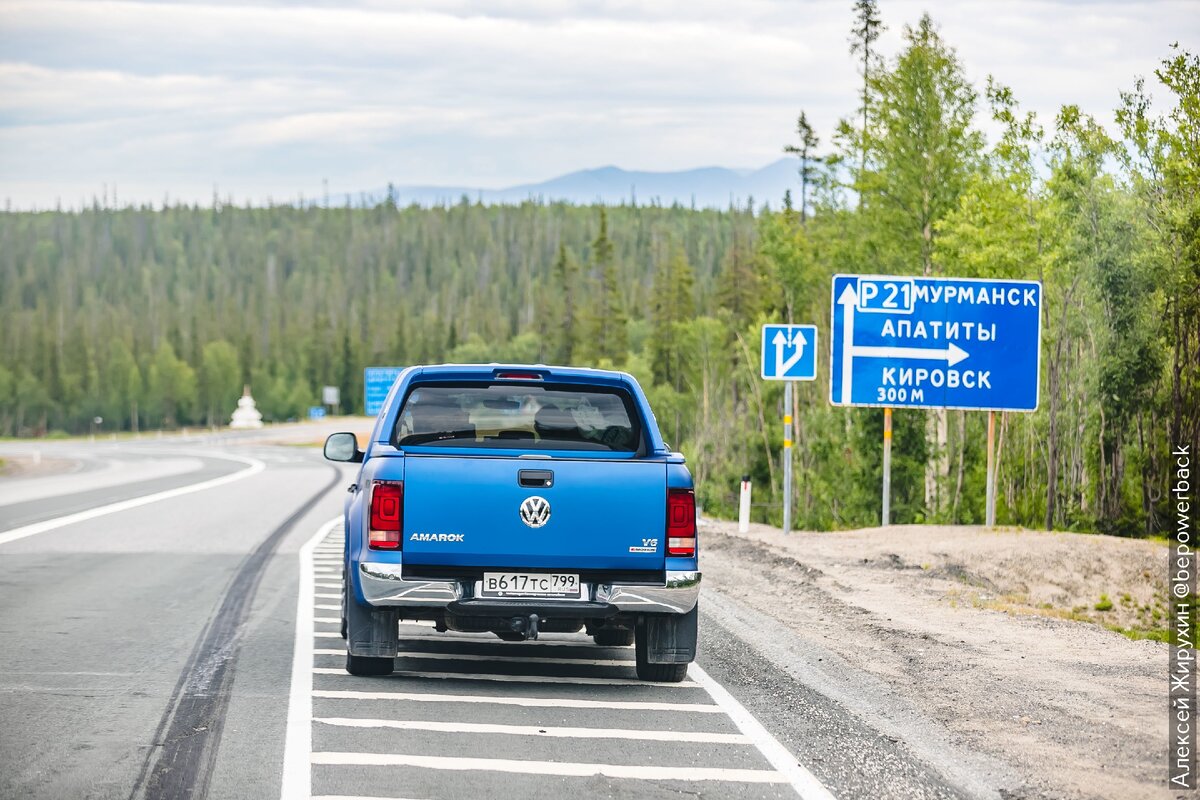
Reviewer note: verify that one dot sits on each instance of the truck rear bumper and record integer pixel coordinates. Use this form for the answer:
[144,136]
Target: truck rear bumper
[382,585]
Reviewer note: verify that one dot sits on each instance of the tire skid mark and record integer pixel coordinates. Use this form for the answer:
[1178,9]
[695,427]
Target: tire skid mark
[180,761]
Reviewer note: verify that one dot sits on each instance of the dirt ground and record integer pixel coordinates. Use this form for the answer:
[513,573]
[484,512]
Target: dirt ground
[987,633]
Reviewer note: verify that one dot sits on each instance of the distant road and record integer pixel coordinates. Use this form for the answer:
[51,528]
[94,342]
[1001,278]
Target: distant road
[188,646]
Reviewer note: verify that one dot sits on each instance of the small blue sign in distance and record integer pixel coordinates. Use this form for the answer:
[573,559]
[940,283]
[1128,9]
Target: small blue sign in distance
[789,352]
[959,343]
[377,382]
[316,412]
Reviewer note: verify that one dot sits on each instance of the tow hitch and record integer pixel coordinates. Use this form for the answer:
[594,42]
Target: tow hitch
[526,626]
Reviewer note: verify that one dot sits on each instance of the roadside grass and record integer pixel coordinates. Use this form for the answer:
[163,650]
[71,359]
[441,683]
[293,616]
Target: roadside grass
[1018,605]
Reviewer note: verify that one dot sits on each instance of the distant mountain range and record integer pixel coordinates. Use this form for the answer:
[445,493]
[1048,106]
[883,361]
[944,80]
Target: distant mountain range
[704,187]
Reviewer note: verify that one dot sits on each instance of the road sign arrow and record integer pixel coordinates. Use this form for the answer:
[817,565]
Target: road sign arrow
[847,300]
[780,340]
[951,354]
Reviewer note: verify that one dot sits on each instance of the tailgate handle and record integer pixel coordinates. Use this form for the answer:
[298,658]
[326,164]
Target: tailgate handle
[541,478]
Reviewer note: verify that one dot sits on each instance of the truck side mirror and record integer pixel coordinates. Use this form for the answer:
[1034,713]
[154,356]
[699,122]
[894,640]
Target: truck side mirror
[343,447]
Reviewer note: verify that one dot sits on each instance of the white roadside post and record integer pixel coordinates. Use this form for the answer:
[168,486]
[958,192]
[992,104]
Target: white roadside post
[744,506]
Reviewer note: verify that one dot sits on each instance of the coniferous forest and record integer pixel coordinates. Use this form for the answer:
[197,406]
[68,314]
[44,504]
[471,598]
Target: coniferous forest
[156,316]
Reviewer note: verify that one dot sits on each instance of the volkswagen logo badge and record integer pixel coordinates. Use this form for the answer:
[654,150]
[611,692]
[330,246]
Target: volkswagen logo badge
[535,511]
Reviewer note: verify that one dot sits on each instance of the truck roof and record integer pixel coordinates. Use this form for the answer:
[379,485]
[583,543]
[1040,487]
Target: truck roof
[548,370]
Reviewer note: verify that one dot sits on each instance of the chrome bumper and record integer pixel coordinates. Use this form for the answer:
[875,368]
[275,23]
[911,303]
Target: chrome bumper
[383,586]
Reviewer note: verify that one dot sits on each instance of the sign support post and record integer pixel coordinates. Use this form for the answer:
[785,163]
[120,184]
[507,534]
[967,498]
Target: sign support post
[787,457]
[887,466]
[990,503]
[789,354]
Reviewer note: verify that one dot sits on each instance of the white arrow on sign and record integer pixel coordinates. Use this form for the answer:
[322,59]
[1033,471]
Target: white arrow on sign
[848,300]
[952,353]
[780,341]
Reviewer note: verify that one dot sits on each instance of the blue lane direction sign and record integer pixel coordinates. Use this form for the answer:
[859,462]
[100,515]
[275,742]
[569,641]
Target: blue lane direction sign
[316,412]
[377,382]
[935,342]
[789,352]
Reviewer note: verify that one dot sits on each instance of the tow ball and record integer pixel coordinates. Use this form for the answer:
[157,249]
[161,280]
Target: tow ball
[526,626]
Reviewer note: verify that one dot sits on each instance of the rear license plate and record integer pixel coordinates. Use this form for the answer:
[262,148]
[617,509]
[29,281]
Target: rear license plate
[530,584]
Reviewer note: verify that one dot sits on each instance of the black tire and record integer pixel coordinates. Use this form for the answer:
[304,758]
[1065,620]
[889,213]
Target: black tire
[368,667]
[510,636]
[661,673]
[613,637]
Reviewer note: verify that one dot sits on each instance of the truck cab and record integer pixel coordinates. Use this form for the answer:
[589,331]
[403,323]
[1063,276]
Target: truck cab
[519,500]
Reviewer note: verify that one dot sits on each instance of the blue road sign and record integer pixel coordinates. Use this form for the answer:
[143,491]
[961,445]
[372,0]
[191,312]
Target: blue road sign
[377,382]
[316,412]
[935,342]
[789,352]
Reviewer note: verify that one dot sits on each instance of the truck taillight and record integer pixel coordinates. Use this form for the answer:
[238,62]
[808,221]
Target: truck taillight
[387,515]
[681,522]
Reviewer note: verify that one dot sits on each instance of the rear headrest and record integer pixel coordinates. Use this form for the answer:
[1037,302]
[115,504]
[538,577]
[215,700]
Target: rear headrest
[434,418]
[555,422]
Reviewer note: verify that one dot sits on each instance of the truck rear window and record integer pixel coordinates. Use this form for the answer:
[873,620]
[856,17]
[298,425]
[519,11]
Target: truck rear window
[519,417]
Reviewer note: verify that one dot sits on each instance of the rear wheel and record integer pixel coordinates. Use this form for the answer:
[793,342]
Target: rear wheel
[613,637]
[664,645]
[368,666]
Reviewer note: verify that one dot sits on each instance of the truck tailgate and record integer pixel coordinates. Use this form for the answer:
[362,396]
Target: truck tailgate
[602,514]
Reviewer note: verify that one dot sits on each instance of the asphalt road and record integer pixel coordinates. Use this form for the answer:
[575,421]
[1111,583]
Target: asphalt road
[168,629]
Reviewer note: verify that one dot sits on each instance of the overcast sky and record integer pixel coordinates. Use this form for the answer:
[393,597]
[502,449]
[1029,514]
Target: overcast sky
[269,100]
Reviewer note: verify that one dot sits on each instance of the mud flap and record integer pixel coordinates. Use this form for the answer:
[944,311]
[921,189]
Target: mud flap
[668,638]
[372,632]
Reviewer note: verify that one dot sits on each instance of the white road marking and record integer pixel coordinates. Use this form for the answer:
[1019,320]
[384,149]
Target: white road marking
[329,607]
[551,767]
[334,620]
[489,639]
[298,776]
[527,702]
[539,730]
[591,662]
[803,781]
[255,467]
[480,676]
[354,797]
[297,768]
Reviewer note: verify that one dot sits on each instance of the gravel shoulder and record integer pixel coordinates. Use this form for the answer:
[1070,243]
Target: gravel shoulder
[986,633]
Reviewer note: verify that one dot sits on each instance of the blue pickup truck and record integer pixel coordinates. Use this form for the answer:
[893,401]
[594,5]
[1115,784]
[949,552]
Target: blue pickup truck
[519,500]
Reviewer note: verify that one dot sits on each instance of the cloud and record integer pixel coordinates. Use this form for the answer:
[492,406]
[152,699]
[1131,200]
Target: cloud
[271,98]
